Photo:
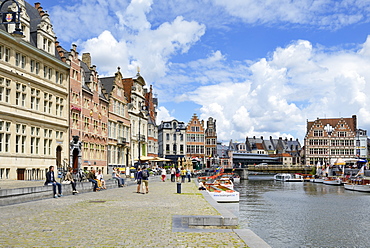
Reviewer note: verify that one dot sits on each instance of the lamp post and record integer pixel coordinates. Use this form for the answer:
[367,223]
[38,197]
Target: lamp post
[140,115]
[12,18]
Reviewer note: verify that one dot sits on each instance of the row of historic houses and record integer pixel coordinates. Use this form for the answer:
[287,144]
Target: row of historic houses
[56,110]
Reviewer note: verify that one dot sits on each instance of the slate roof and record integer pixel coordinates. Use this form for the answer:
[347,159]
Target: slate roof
[35,20]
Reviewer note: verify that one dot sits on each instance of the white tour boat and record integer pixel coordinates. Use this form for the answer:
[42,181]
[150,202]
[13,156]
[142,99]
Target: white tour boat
[358,184]
[286,177]
[222,194]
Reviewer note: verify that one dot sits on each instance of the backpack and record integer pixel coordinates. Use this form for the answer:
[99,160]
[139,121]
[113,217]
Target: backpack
[145,174]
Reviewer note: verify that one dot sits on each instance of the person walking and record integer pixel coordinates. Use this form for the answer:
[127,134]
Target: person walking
[145,180]
[173,174]
[163,174]
[188,175]
[138,180]
[177,174]
[69,178]
[50,179]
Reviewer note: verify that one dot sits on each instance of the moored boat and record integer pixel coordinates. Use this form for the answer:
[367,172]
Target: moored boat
[333,181]
[286,177]
[223,181]
[222,194]
[358,184]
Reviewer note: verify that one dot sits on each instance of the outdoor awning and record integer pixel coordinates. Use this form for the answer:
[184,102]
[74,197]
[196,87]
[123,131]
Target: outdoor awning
[144,158]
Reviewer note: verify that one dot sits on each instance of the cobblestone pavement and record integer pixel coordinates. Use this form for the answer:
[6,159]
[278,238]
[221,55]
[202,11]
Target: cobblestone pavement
[112,218]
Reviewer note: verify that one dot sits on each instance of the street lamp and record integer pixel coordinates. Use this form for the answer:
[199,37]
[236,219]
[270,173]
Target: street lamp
[12,17]
[142,113]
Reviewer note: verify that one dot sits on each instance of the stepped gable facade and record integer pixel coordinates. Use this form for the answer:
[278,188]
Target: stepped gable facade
[330,138]
[119,127]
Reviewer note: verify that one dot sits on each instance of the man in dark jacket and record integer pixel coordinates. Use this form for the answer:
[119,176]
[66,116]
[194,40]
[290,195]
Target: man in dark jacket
[50,180]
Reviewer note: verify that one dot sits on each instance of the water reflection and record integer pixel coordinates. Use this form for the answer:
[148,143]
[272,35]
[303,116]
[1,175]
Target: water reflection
[304,214]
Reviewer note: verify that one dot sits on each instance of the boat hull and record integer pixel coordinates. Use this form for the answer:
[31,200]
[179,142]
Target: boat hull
[225,196]
[336,182]
[360,188]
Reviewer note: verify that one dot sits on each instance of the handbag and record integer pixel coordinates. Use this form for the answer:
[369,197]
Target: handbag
[66,182]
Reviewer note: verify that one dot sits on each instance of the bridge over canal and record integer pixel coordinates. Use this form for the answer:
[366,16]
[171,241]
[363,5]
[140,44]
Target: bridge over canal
[270,169]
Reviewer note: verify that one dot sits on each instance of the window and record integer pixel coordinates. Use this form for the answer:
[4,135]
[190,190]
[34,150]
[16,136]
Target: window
[35,99]
[17,59]
[45,71]
[23,62]
[59,106]
[57,77]
[32,65]
[318,133]
[48,104]
[1,52]
[20,138]
[86,124]
[4,136]
[7,55]
[75,118]
[342,134]
[37,68]
[47,141]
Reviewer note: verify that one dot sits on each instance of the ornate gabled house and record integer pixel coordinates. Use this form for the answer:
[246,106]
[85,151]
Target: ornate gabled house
[88,114]
[195,139]
[119,151]
[33,94]
[211,143]
[329,139]
[138,115]
[151,104]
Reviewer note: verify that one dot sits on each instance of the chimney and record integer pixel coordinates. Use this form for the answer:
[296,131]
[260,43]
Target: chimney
[86,58]
[354,118]
[37,5]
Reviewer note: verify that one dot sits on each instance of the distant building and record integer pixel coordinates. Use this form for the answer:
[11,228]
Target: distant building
[195,140]
[119,152]
[88,114]
[329,139]
[171,140]
[151,104]
[211,143]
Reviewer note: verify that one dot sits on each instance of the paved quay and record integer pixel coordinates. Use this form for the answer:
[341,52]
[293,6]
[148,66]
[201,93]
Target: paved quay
[117,217]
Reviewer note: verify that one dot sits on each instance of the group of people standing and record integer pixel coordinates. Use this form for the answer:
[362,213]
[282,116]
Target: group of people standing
[182,173]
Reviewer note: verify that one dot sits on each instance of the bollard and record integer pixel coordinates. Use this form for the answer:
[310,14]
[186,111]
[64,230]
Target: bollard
[178,188]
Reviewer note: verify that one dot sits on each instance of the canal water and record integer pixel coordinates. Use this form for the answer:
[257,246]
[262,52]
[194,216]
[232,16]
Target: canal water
[287,214]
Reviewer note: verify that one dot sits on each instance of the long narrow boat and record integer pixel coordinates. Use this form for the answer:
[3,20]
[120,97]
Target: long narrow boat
[358,184]
[221,193]
[285,177]
[333,181]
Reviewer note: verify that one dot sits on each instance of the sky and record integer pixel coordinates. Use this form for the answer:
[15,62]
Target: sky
[260,68]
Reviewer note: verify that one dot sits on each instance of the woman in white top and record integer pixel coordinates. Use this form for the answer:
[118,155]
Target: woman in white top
[99,176]
[163,173]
